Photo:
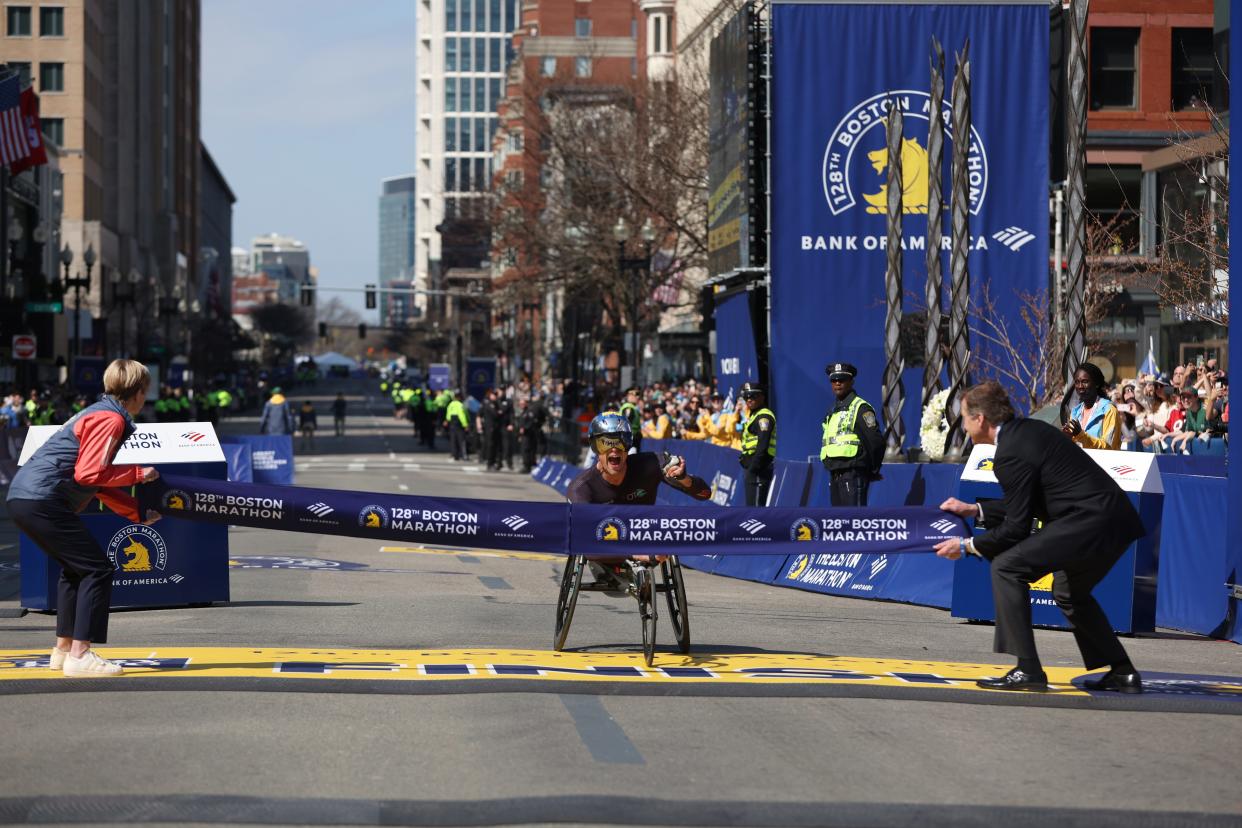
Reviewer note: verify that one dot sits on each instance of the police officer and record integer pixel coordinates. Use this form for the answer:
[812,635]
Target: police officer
[758,444]
[853,447]
[490,430]
[456,422]
[631,410]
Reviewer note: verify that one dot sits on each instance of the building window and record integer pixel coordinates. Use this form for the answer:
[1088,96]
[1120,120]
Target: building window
[1114,68]
[450,95]
[450,15]
[19,21]
[54,129]
[450,175]
[23,72]
[658,34]
[480,136]
[51,22]
[450,134]
[1194,64]
[450,54]
[549,67]
[494,47]
[582,27]
[496,17]
[634,30]
[480,96]
[51,77]
[582,67]
[633,67]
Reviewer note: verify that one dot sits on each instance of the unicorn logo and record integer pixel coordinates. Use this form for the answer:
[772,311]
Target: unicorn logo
[913,178]
[139,559]
[138,548]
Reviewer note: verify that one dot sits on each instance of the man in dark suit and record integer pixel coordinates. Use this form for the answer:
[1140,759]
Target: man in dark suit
[1087,523]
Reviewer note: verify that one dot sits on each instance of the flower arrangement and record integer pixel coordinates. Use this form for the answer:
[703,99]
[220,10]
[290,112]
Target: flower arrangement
[934,428]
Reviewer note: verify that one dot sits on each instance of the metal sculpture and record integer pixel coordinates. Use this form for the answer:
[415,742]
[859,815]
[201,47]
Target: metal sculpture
[959,302]
[894,391]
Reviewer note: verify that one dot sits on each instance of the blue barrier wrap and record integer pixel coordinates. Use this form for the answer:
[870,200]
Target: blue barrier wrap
[551,527]
[532,527]
[735,344]
[238,457]
[1194,565]
[271,456]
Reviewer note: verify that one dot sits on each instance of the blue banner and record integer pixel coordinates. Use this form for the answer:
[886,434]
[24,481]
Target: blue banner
[238,457]
[551,527]
[838,68]
[88,374]
[736,359]
[480,375]
[487,524]
[649,530]
[438,376]
[271,456]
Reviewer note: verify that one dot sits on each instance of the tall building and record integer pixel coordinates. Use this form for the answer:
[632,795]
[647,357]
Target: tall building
[285,261]
[215,234]
[397,249]
[119,88]
[464,47]
[1153,83]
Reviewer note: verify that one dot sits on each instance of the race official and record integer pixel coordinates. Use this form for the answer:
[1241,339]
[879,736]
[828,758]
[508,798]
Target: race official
[61,478]
[1087,523]
[758,444]
[853,448]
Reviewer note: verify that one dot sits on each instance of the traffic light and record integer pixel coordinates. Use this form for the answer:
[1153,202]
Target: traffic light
[323,330]
[362,330]
[308,296]
[370,297]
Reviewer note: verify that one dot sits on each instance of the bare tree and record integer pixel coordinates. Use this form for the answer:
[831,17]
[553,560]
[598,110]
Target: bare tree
[336,313]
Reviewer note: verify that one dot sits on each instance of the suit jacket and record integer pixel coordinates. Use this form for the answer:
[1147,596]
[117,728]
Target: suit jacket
[1045,476]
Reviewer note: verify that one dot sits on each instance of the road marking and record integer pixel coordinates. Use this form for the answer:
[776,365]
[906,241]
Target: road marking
[356,467]
[411,467]
[427,550]
[600,732]
[468,559]
[492,582]
[403,487]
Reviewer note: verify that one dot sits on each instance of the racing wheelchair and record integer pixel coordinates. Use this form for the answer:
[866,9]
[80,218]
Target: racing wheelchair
[635,578]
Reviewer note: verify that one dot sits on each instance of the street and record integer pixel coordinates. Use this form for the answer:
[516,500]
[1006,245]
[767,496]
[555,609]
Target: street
[259,727]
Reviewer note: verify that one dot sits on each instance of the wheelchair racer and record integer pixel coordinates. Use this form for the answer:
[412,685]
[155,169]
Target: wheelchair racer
[621,477]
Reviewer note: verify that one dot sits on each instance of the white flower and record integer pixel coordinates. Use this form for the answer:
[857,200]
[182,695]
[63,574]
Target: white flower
[934,428]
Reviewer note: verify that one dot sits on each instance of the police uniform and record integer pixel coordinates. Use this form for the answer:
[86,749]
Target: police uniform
[758,450]
[853,447]
[634,415]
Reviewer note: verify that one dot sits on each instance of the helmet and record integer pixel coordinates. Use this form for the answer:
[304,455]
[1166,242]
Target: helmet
[610,424]
[750,389]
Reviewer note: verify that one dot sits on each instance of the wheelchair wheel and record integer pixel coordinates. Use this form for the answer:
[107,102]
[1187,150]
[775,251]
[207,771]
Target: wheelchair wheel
[644,589]
[571,583]
[678,612]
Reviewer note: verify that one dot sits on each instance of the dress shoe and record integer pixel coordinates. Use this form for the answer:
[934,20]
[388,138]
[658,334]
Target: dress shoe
[1016,679]
[1118,682]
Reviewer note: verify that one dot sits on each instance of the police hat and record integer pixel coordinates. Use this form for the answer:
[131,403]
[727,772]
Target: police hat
[750,389]
[840,370]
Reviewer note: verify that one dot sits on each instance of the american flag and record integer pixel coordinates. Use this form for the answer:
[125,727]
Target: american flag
[14,145]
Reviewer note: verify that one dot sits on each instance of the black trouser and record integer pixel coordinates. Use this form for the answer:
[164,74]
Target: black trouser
[495,440]
[85,589]
[849,487]
[756,485]
[457,440]
[529,442]
[338,423]
[1078,562]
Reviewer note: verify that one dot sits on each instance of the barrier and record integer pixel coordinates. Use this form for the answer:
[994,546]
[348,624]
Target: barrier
[166,564]
[1194,565]
[271,456]
[238,457]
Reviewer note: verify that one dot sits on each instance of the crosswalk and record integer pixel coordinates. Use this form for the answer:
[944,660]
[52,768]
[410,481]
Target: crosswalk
[331,464]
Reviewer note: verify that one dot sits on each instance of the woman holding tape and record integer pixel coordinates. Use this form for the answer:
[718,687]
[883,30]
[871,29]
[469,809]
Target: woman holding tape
[73,467]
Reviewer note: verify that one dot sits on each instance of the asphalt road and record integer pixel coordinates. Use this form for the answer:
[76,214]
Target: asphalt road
[364,749]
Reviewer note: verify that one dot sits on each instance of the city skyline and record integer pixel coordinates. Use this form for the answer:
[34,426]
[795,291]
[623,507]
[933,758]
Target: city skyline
[306,113]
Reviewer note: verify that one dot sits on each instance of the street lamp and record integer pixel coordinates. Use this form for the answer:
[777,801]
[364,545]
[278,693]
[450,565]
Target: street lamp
[77,283]
[124,292]
[639,267]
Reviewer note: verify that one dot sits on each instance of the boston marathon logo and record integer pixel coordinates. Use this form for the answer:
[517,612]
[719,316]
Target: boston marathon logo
[244,506]
[610,529]
[804,529]
[175,500]
[373,517]
[850,135]
[136,550]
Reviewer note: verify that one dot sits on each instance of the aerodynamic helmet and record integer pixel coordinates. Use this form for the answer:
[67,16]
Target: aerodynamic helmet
[610,424]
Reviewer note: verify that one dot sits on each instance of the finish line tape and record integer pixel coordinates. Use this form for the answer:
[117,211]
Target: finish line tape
[559,528]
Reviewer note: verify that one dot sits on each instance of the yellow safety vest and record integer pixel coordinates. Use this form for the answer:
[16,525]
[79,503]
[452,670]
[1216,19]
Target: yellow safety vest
[750,439]
[839,437]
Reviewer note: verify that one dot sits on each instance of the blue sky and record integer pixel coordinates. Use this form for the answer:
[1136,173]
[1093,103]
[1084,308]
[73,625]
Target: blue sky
[306,106]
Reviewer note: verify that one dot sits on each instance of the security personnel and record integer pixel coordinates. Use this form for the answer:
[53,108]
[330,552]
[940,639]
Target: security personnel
[631,410]
[455,419]
[758,444]
[853,447]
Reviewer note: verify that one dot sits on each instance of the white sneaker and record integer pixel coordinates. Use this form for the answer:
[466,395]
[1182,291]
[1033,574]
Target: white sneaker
[90,665]
[57,659]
